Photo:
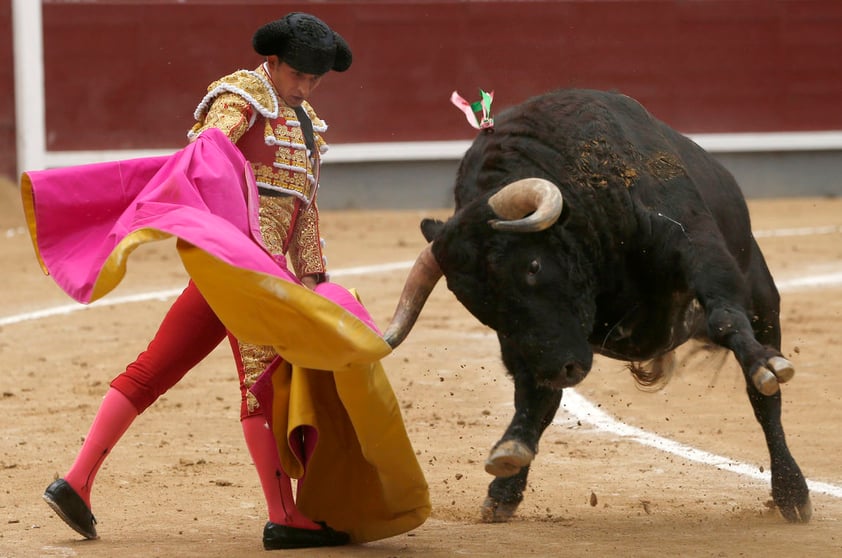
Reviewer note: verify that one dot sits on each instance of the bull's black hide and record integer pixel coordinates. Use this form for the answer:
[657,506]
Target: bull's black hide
[648,246]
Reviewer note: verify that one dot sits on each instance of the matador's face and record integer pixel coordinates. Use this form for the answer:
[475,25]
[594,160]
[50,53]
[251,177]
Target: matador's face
[293,87]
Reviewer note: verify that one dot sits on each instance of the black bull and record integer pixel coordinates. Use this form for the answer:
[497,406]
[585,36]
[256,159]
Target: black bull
[582,224]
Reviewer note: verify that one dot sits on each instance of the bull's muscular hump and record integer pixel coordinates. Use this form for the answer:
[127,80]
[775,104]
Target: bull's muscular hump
[583,224]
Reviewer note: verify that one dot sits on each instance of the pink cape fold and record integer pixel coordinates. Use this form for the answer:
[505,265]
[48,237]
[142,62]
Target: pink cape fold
[85,221]
[203,195]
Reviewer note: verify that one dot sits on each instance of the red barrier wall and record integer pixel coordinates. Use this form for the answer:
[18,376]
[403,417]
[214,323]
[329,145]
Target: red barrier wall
[7,93]
[128,74]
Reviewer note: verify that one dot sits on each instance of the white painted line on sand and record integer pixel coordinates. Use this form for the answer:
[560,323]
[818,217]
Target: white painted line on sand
[810,282]
[573,403]
[793,284]
[172,293]
[586,412]
[800,231]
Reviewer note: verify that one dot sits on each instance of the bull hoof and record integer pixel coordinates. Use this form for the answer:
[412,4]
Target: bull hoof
[765,382]
[767,379]
[781,368]
[799,514]
[497,512]
[507,458]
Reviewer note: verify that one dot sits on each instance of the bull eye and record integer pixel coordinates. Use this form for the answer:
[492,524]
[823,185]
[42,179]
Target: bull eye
[532,272]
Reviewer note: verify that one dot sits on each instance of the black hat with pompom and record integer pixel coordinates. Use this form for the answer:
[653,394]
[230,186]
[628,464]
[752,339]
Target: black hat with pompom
[304,42]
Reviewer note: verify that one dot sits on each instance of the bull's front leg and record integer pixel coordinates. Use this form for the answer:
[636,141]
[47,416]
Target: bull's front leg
[509,460]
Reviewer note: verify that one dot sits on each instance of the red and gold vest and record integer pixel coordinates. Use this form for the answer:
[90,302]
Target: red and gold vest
[271,139]
[245,106]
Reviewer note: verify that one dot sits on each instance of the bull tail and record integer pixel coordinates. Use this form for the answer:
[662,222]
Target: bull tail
[655,374]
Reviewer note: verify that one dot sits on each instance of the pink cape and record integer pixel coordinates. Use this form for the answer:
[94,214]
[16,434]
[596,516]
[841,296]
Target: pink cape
[85,222]
[79,216]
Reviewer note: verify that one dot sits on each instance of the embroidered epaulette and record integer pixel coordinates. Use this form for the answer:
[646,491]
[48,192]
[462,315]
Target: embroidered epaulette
[249,85]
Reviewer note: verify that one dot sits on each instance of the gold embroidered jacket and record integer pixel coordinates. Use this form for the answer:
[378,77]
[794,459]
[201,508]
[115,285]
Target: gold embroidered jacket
[245,106]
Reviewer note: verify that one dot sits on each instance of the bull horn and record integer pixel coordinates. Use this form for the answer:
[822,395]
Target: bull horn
[537,196]
[423,276]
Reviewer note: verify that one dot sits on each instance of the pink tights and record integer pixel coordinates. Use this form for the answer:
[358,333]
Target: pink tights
[277,486]
[188,333]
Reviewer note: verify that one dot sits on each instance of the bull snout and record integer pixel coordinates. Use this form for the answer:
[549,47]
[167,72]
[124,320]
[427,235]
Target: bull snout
[551,364]
[570,374]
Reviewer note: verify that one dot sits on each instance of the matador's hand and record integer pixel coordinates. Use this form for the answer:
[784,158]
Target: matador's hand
[310,281]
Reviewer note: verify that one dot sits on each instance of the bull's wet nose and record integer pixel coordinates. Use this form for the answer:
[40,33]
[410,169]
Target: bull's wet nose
[572,373]
[568,375]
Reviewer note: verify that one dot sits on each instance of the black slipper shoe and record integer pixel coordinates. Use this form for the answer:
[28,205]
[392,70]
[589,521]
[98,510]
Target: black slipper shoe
[71,508]
[276,537]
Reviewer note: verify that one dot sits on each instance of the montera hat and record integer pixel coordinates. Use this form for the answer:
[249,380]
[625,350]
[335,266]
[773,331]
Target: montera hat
[304,42]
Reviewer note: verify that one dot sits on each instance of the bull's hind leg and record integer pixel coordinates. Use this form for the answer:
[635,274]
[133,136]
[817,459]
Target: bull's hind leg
[509,460]
[756,344]
[789,488]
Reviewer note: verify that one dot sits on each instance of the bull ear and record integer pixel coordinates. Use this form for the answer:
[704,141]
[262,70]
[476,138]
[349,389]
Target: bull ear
[431,228]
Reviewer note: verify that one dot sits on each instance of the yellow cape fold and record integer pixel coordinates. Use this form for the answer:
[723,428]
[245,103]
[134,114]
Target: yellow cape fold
[266,310]
[363,477]
[375,487]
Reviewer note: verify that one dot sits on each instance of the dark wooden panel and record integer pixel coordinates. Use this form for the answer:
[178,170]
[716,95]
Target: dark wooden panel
[7,93]
[711,66]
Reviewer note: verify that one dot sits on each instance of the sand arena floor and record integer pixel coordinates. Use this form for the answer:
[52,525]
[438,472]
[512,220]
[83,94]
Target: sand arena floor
[180,483]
